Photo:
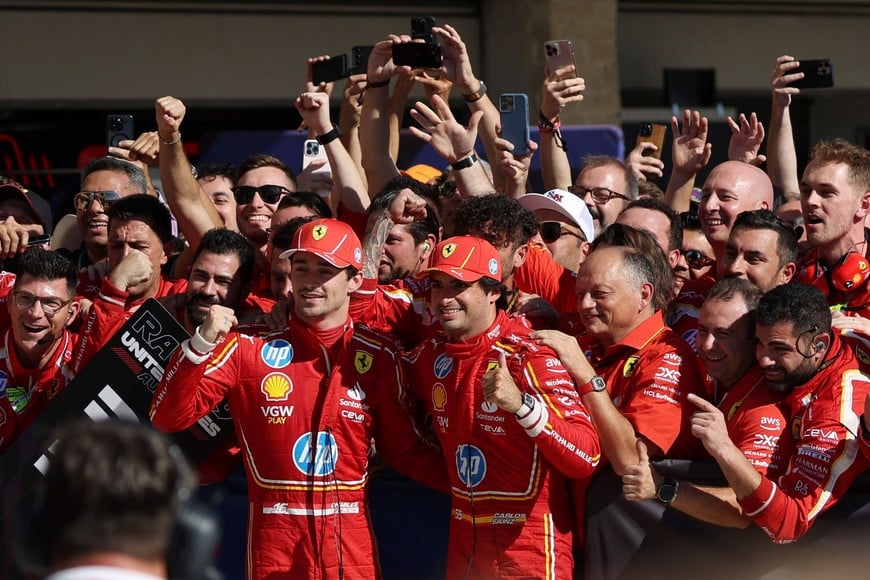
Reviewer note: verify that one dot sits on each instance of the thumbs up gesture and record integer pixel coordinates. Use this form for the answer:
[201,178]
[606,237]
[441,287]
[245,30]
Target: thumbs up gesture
[499,387]
[639,482]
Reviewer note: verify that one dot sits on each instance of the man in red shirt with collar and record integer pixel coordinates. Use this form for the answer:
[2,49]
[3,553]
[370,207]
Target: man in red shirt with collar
[508,420]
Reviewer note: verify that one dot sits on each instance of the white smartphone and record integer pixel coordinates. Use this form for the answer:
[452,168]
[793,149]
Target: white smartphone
[313,150]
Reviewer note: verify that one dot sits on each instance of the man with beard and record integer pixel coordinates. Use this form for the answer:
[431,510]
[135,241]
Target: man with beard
[824,392]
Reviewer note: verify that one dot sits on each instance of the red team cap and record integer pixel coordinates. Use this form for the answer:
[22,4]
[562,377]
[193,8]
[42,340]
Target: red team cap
[465,258]
[329,239]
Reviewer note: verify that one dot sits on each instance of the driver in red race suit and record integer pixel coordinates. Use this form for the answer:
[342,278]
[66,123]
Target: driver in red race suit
[306,403]
[510,423]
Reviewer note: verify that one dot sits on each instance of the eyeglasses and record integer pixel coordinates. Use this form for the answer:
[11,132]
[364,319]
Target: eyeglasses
[599,194]
[83,199]
[552,231]
[268,193]
[50,304]
[697,260]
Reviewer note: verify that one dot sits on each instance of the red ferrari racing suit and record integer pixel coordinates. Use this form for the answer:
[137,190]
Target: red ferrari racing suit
[824,418]
[306,405]
[508,476]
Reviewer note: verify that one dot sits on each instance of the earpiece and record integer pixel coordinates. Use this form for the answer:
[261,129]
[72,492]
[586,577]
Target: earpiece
[820,345]
[426,247]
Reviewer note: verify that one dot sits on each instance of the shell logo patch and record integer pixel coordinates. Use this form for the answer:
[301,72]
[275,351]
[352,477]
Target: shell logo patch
[362,362]
[448,250]
[318,232]
[276,387]
[439,396]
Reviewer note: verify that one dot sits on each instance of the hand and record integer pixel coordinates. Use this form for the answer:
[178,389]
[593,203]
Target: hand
[143,151]
[455,64]
[434,85]
[690,150]
[514,168]
[314,108]
[780,79]
[499,387]
[308,180]
[450,140]
[708,425]
[218,323]
[407,207]
[354,92]
[856,324]
[560,88]
[643,166]
[135,268]
[746,139]
[639,482]
[170,113]
[540,312]
[310,87]
[568,351]
[14,237]
[381,66]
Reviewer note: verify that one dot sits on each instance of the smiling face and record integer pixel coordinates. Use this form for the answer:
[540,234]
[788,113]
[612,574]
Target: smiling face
[213,280]
[753,254]
[321,291]
[730,189]
[464,309]
[93,222]
[255,217]
[725,339]
[611,177]
[401,256]
[32,325]
[787,360]
[220,190]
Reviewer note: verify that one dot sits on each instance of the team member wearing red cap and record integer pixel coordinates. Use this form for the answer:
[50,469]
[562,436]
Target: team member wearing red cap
[509,421]
[306,403]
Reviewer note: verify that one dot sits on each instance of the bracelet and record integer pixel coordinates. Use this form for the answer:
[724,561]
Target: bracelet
[465,162]
[546,125]
[378,84]
[165,142]
[476,95]
[329,136]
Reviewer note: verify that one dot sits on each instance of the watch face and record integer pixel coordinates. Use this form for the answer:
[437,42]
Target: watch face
[598,384]
[667,492]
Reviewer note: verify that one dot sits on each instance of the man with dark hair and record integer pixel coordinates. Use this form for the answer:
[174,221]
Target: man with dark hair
[300,204]
[281,241]
[474,376]
[39,346]
[105,180]
[128,484]
[659,219]
[824,393]
[306,402]
[761,248]
[218,181]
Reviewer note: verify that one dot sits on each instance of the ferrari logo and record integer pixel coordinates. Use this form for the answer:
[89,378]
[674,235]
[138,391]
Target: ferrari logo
[319,232]
[448,250]
[362,362]
[491,365]
[628,368]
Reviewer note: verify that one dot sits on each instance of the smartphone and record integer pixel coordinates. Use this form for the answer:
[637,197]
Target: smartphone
[38,240]
[359,59]
[559,53]
[514,109]
[417,55]
[655,134]
[327,71]
[313,150]
[118,128]
[421,27]
[818,74]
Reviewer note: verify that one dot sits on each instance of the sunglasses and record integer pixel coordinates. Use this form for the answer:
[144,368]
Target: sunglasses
[697,260]
[552,231]
[268,193]
[83,199]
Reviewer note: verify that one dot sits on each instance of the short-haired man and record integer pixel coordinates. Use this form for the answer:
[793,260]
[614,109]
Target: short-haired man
[761,248]
[23,216]
[105,180]
[507,473]
[824,392]
[606,185]
[218,181]
[39,346]
[306,403]
[835,199]
[113,530]
[659,219]
[564,225]
[755,420]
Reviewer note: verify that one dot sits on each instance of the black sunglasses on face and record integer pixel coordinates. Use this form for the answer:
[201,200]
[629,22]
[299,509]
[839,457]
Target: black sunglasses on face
[268,193]
[696,260]
[83,199]
[552,231]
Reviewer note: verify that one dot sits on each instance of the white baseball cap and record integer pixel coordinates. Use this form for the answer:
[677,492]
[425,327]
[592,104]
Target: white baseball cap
[565,203]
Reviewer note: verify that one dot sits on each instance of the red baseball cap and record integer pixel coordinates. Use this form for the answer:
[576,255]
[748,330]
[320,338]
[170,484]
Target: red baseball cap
[330,239]
[465,258]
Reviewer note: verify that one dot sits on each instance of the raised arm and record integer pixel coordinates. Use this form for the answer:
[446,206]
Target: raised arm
[781,156]
[349,118]
[690,153]
[747,135]
[561,87]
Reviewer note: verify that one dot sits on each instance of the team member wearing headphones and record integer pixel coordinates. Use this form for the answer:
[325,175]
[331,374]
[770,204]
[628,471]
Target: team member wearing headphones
[38,345]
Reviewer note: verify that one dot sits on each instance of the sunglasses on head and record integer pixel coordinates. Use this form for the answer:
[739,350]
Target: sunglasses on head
[83,199]
[268,193]
[696,260]
[552,231]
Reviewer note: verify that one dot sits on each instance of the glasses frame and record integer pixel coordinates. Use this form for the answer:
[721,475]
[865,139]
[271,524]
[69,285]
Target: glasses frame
[93,196]
[700,260]
[49,312]
[562,232]
[240,190]
[596,194]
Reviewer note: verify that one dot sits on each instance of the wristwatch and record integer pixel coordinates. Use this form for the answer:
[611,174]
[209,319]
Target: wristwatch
[527,407]
[667,491]
[595,385]
[476,95]
[465,162]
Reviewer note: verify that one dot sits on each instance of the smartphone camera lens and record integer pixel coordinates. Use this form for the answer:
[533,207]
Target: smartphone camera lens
[507,103]
[116,124]
[552,50]
[646,129]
